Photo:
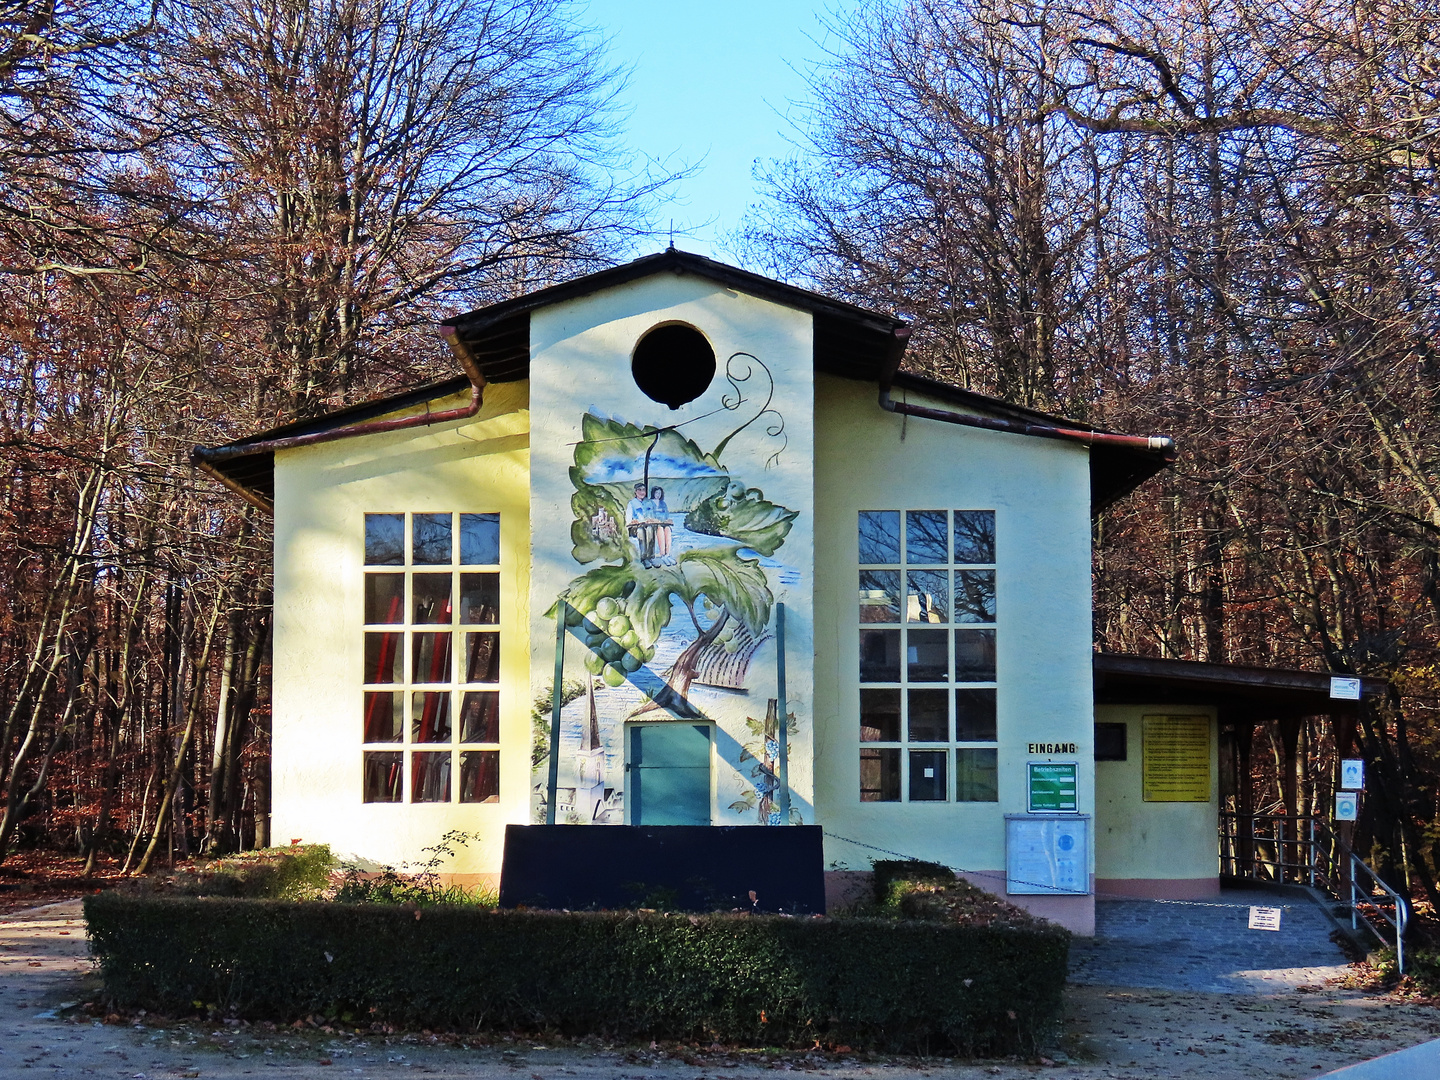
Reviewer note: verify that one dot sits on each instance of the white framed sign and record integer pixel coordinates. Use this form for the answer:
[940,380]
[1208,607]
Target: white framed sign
[1047,855]
[1265,918]
[1347,806]
[1344,688]
[1352,774]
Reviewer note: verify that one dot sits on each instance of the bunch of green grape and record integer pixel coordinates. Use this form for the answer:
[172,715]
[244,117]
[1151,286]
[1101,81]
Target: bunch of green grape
[615,647]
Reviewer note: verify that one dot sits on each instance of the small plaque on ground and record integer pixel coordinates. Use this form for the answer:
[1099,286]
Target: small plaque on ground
[1264,918]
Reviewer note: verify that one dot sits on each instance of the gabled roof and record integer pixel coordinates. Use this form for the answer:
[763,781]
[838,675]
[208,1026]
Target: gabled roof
[849,342]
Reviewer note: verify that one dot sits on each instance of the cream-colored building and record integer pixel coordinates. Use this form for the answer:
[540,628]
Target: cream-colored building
[648,465]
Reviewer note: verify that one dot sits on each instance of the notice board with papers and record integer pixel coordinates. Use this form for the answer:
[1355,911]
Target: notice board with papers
[1176,751]
[1047,854]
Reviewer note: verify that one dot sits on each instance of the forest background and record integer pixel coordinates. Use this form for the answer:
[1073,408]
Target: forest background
[1215,221]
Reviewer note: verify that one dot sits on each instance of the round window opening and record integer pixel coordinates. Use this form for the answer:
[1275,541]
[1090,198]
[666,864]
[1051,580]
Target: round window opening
[673,365]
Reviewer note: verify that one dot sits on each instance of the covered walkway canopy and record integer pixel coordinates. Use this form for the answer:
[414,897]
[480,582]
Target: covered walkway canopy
[1242,697]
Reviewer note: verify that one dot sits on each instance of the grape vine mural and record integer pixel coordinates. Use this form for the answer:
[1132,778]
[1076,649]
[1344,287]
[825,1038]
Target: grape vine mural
[627,479]
[678,594]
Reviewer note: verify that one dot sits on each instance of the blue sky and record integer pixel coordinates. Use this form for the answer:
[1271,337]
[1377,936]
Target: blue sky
[711,83]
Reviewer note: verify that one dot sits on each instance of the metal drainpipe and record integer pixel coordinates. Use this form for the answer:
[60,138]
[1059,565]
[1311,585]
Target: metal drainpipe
[204,455]
[1161,443]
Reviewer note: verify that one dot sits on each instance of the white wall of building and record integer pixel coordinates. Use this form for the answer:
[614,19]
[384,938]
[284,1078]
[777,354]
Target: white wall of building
[322,494]
[1161,849]
[581,353]
[867,459]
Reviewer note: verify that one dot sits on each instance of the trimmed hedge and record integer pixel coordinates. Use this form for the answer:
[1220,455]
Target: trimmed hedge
[769,980]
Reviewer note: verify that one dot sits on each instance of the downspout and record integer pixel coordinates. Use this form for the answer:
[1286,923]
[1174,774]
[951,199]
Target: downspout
[205,456]
[1153,443]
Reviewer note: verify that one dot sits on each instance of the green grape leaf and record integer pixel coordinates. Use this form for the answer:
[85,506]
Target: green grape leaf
[722,575]
[747,518]
[610,451]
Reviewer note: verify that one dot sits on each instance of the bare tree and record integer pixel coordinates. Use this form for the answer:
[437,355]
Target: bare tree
[371,162]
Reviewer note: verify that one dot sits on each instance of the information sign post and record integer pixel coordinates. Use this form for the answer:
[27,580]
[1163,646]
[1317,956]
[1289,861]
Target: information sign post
[1052,787]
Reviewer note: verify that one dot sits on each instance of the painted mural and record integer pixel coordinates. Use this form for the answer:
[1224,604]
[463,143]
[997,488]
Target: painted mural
[682,554]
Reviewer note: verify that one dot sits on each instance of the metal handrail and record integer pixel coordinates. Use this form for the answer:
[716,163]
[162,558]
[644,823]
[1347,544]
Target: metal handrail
[1316,856]
[1402,910]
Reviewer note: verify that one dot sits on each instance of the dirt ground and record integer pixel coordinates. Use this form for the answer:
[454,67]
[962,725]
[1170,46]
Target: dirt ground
[1110,1032]
[30,878]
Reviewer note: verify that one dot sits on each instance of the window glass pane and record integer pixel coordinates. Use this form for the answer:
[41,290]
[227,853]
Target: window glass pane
[480,539]
[879,655]
[1110,742]
[383,722]
[880,715]
[479,598]
[974,715]
[929,717]
[431,657]
[431,540]
[430,717]
[880,775]
[382,777]
[383,658]
[974,655]
[927,537]
[925,655]
[430,777]
[482,657]
[974,536]
[927,597]
[879,536]
[974,595]
[975,776]
[480,776]
[480,716]
[431,596]
[879,596]
[384,539]
[384,598]
[927,775]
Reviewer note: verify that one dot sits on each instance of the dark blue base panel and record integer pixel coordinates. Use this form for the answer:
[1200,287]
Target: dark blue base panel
[669,867]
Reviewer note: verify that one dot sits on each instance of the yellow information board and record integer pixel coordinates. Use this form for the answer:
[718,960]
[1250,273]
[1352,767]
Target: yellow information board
[1177,758]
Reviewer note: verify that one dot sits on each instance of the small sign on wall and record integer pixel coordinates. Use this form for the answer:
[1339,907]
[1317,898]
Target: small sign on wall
[1176,752]
[1344,688]
[1352,774]
[1052,787]
[1347,806]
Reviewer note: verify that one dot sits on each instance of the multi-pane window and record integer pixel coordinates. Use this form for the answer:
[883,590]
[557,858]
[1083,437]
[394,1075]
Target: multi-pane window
[431,697]
[927,656]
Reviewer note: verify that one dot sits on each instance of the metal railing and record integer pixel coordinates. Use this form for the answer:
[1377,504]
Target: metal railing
[1286,850]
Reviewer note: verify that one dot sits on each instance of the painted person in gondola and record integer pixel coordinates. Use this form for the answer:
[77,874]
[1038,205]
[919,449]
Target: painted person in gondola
[660,513]
[639,525]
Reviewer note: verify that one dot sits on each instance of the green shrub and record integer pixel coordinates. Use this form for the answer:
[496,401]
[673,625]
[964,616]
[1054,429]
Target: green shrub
[1423,965]
[298,872]
[769,980]
[888,871]
[1422,968]
[390,886]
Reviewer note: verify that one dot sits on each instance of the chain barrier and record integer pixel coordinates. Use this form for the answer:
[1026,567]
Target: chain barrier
[1051,890]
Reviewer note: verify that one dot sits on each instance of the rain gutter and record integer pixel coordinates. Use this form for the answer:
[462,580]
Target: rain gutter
[1161,444]
[206,457]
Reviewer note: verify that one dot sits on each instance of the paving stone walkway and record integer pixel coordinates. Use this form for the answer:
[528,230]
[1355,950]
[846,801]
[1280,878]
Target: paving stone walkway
[1207,946]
